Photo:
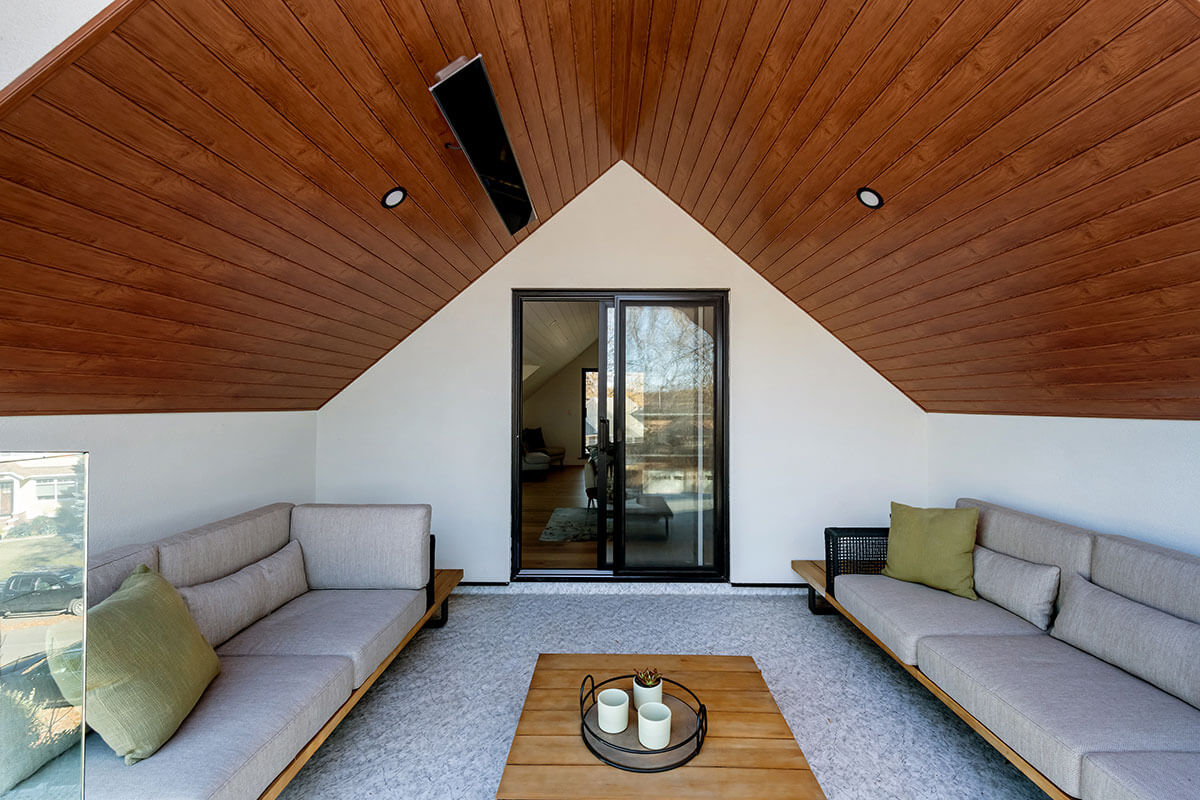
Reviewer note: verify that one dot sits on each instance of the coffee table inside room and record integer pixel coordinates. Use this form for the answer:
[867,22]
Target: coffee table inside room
[749,751]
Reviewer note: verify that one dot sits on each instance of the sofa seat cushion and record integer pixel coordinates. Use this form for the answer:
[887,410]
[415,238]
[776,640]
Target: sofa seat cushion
[900,614]
[1141,776]
[1054,704]
[254,718]
[363,625]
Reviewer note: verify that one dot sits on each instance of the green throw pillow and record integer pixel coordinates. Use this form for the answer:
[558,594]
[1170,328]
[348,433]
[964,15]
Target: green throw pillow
[933,546]
[147,665]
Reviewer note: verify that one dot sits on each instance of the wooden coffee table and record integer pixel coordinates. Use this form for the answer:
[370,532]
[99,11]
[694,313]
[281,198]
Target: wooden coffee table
[749,753]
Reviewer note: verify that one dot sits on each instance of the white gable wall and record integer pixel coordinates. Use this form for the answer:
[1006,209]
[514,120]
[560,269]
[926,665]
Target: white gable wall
[816,437]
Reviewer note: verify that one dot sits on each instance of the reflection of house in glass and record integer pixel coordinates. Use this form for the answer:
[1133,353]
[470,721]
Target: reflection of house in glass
[34,484]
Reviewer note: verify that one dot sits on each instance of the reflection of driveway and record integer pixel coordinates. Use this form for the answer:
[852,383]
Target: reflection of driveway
[20,637]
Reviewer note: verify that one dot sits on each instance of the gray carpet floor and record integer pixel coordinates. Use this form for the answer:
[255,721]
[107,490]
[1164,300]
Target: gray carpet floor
[439,722]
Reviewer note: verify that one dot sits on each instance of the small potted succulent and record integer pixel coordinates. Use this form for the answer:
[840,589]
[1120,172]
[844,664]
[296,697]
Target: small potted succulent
[647,687]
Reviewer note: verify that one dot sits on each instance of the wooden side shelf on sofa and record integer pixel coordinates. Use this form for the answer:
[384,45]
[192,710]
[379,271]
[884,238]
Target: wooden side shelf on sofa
[813,573]
[443,584]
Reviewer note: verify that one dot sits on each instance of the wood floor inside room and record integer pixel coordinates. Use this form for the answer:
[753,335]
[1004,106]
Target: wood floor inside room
[561,488]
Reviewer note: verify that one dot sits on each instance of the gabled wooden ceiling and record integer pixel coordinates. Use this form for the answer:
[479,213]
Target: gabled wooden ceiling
[189,189]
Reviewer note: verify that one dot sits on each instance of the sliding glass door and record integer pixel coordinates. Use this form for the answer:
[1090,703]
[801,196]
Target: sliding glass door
[652,459]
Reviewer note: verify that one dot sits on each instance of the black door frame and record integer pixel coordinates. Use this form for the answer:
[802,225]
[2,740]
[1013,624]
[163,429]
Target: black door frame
[720,299]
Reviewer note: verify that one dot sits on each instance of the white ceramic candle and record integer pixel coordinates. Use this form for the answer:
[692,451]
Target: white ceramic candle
[612,710]
[646,694]
[654,726]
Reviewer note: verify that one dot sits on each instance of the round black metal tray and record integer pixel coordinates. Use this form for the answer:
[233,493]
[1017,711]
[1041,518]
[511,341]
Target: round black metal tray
[689,725]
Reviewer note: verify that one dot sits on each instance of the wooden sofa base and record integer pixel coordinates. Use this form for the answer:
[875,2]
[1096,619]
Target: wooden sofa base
[1031,772]
[444,582]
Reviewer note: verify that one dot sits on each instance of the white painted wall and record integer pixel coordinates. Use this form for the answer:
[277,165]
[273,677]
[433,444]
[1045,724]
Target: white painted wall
[29,29]
[1139,478]
[557,407]
[151,475]
[816,437]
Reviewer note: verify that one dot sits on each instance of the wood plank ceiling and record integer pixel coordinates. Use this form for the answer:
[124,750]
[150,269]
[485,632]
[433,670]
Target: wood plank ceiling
[189,189]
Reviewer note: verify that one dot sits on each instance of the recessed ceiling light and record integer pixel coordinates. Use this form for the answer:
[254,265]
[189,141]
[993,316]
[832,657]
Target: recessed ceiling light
[394,197]
[870,198]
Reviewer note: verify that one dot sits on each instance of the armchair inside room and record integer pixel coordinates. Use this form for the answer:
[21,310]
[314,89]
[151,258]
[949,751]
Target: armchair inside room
[532,442]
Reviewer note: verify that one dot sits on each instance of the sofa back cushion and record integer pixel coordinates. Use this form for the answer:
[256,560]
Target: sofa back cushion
[1022,587]
[364,546]
[227,605]
[1025,536]
[222,548]
[108,570]
[1151,644]
[1154,576]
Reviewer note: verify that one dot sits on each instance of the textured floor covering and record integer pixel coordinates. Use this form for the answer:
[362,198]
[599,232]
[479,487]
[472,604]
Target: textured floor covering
[439,722]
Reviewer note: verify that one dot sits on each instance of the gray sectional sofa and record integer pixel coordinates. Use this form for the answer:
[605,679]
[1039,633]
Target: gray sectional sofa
[1104,704]
[286,672]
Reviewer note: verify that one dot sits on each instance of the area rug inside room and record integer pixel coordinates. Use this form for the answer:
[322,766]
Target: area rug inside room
[439,722]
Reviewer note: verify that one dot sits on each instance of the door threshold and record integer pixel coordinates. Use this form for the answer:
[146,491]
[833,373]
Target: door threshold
[608,576]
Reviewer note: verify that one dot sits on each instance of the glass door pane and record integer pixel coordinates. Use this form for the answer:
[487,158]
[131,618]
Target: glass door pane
[666,414]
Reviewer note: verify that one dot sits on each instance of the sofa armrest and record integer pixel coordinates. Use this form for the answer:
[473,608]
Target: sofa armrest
[364,546]
[853,551]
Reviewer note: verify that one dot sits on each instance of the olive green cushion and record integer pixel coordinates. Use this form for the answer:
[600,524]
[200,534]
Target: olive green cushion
[147,665]
[933,546]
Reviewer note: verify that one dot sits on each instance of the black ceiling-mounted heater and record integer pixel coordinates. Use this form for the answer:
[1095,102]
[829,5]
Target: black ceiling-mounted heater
[464,94]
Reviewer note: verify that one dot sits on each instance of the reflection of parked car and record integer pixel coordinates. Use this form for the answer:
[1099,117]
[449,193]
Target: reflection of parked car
[41,593]
[31,676]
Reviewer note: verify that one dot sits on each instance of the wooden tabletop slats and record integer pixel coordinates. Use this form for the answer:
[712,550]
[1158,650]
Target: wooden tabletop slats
[749,751]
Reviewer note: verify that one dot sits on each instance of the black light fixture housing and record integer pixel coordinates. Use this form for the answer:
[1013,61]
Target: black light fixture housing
[393,197]
[870,198]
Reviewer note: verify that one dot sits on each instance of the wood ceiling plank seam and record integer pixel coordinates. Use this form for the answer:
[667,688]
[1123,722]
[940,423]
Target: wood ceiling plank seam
[512,34]
[602,55]
[1166,370]
[639,50]
[23,306]
[66,52]
[1151,249]
[158,188]
[734,163]
[381,97]
[1136,217]
[412,88]
[1071,325]
[536,23]
[20,381]
[1036,218]
[31,199]
[945,325]
[871,26]
[60,284]
[1106,168]
[662,26]
[315,167]
[242,51]
[839,122]
[675,70]
[714,62]
[945,51]
[622,57]
[1179,389]
[742,75]
[562,46]
[1061,304]
[1089,356]
[1184,410]
[996,110]
[104,342]
[195,162]
[61,362]
[284,38]
[1131,332]
[102,404]
[583,47]
[135,213]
